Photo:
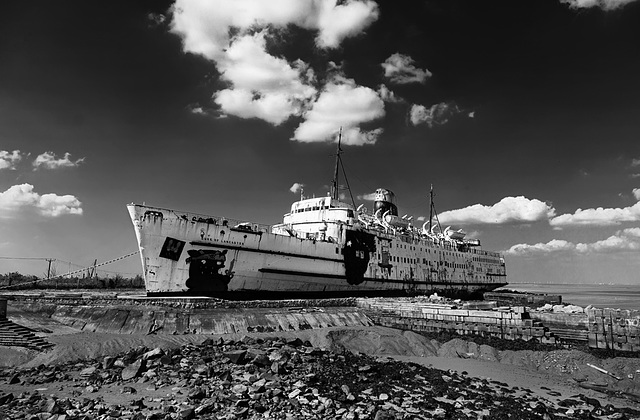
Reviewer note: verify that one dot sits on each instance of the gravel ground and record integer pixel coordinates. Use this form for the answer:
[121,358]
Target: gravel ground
[278,378]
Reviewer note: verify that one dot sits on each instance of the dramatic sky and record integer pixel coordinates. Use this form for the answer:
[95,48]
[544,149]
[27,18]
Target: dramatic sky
[523,114]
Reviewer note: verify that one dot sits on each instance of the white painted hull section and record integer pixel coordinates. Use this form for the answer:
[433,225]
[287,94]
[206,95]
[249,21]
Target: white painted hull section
[178,249]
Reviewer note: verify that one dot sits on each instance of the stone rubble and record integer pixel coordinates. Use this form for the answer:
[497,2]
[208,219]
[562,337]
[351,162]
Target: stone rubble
[271,378]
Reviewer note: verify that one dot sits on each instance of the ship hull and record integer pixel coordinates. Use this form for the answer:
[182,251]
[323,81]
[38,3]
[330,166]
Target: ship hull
[187,254]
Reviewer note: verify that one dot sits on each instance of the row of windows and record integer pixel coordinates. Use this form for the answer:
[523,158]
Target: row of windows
[414,248]
[316,208]
[486,260]
[405,260]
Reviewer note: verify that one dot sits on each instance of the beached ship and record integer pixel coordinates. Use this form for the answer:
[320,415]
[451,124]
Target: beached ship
[323,247]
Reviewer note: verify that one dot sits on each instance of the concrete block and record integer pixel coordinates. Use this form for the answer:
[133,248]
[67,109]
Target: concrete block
[620,338]
[623,346]
[595,342]
[455,312]
[486,314]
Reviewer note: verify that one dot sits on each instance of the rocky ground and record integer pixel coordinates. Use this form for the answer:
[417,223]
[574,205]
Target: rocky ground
[271,377]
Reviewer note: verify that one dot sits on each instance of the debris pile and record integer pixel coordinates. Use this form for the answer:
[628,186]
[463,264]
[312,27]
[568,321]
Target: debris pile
[269,378]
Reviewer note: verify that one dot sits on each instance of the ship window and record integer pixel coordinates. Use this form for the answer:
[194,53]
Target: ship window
[349,213]
[336,250]
[316,208]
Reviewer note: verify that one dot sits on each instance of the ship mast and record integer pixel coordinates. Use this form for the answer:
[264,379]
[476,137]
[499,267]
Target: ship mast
[334,186]
[432,211]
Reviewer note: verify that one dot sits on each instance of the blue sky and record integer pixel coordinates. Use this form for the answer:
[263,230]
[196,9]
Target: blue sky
[523,115]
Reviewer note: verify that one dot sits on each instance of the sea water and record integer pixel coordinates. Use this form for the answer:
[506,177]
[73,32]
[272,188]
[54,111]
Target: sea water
[616,296]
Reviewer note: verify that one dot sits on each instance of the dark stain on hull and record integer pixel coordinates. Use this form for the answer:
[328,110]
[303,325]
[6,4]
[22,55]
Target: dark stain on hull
[204,271]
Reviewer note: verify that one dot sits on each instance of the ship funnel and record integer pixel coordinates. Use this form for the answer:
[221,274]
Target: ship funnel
[385,200]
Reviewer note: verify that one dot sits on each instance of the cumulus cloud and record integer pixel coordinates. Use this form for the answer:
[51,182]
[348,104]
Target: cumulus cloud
[399,68]
[388,95]
[296,187]
[234,35]
[621,241]
[603,4]
[598,217]
[19,197]
[508,210]
[554,245]
[48,160]
[342,104]
[9,160]
[264,86]
[205,25]
[367,197]
[437,114]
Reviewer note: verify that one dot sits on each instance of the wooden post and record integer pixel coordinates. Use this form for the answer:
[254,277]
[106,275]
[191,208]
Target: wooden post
[613,347]
[604,333]
[3,309]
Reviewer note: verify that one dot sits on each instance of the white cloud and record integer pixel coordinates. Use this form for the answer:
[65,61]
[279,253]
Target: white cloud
[198,110]
[508,210]
[603,4]
[264,86]
[367,197]
[635,162]
[48,160]
[234,35]
[342,105]
[437,114]
[553,246]
[9,160]
[388,95]
[399,68]
[205,25]
[598,217]
[622,241]
[337,22]
[296,187]
[19,197]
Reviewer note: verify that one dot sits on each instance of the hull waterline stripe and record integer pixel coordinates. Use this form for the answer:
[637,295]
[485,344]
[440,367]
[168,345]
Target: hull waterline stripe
[286,254]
